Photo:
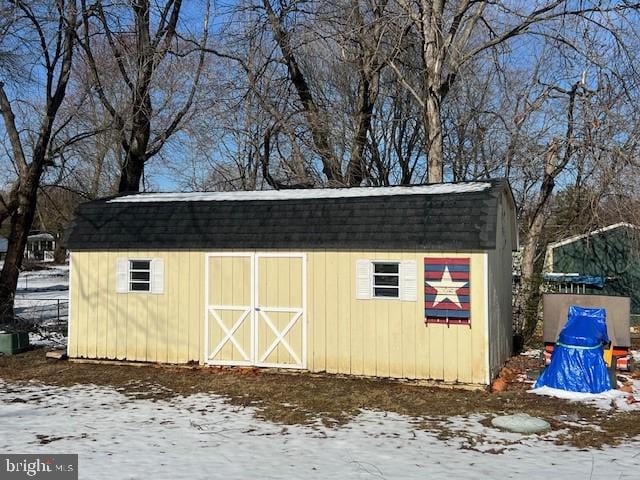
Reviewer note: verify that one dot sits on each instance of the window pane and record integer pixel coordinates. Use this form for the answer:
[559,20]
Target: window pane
[139,264]
[139,287]
[385,280]
[386,267]
[140,276]
[385,292]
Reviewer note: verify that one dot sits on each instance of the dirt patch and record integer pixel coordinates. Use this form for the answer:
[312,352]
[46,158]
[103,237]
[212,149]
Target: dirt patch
[522,371]
[333,400]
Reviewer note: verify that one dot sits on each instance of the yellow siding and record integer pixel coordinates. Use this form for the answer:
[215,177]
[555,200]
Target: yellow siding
[317,262]
[331,319]
[186,283]
[162,316]
[74,296]
[295,300]
[111,307]
[81,267]
[122,310]
[375,337]
[174,311]
[357,333]
[478,337]
[92,311]
[343,317]
[195,302]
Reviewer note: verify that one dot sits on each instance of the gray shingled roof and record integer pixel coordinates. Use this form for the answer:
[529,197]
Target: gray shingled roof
[462,217]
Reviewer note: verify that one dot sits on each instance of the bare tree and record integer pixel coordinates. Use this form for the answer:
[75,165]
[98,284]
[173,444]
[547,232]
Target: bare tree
[350,31]
[138,59]
[452,33]
[30,137]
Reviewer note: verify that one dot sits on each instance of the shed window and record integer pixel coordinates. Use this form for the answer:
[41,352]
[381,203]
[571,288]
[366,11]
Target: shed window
[139,275]
[386,279]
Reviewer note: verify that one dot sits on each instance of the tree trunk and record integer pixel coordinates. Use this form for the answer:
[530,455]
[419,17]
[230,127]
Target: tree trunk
[10,273]
[529,298]
[99,167]
[140,134]
[433,129]
[59,254]
[433,56]
[131,172]
[315,119]
[21,222]
[366,101]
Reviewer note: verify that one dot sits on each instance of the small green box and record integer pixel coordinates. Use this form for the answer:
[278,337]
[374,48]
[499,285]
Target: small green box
[11,343]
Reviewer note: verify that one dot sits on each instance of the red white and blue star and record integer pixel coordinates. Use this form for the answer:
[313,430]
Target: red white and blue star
[446,290]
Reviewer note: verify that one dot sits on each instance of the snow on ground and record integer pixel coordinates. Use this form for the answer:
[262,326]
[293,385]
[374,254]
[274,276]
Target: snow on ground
[201,436]
[532,353]
[609,400]
[51,283]
[42,298]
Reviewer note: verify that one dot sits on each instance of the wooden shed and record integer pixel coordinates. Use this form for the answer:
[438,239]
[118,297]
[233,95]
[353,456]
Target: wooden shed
[405,282]
[611,253]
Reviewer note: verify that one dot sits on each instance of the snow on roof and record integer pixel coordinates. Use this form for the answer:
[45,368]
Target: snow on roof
[40,236]
[302,194]
[575,238]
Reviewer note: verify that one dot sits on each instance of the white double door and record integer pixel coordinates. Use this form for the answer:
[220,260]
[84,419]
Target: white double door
[255,309]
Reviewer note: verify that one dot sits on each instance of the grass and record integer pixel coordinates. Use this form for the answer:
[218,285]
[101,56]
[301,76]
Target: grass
[307,399]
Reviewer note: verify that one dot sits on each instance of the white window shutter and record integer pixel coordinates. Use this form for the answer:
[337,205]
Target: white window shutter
[122,275]
[363,279]
[408,281]
[157,275]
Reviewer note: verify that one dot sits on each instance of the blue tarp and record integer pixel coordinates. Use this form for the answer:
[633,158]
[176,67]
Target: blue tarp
[577,364]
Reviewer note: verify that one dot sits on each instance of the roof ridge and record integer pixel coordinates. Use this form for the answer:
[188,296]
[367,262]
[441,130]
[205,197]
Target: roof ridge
[311,193]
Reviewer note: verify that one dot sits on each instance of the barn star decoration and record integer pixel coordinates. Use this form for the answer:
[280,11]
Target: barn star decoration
[446,288]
